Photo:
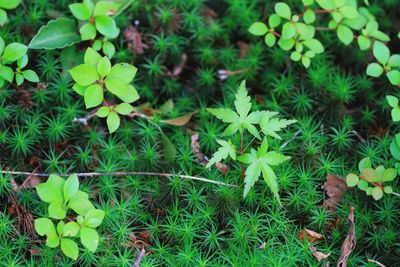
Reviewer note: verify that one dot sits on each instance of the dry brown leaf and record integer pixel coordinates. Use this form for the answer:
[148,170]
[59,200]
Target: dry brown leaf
[134,39]
[334,187]
[350,242]
[317,254]
[180,121]
[201,158]
[32,182]
[179,68]
[310,235]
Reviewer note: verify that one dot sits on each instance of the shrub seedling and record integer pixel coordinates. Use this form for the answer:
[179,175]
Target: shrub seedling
[63,195]
[97,75]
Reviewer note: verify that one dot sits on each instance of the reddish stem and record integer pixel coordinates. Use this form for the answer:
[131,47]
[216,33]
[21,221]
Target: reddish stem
[324,11]
[241,153]
[374,184]
[276,34]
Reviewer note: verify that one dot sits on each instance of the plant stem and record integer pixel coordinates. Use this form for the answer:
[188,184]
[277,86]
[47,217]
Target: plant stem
[92,174]
[241,153]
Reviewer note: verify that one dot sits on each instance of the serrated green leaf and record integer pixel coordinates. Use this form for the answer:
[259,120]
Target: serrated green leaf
[242,100]
[224,114]
[270,126]
[57,33]
[274,158]
[226,149]
[252,173]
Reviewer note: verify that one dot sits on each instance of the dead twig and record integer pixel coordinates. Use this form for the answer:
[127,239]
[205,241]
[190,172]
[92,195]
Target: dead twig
[93,174]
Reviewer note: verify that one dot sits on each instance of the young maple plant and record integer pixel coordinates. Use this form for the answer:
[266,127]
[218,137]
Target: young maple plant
[261,125]
[95,76]
[371,180]
[63,195]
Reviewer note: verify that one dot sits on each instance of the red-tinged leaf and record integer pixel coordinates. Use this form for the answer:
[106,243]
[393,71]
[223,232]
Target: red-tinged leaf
[180,121]
[334,188]
[310,235]
[350,242]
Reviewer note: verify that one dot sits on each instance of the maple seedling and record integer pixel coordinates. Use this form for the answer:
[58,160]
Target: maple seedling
[371,180]
[261,125]
[62,196]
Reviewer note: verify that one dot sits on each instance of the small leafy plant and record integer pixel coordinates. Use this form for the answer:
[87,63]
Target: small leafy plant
[6,5]
[63,195]
[260,161]
[97,18]
[296,32]
[387,63]
[15,52]
[371,180]
[97,75]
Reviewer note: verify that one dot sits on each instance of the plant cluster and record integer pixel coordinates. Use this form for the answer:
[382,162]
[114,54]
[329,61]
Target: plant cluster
[63,195]
[192,121]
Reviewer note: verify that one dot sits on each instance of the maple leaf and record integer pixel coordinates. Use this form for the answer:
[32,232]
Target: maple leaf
[241,119]
[270,124]
[225,150]
[260,163]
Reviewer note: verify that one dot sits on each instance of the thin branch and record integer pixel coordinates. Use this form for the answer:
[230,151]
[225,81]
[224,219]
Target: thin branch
[93,174]
[376,262]
[291,139]
[396,194]
[139,258]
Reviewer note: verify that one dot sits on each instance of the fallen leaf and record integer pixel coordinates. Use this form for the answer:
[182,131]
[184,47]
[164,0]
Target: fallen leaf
[317,254]
[310,235]
[195,145]
[334,187]
[180,121]
[350,242]
[203,159]
[32,182]
[169,150]
[134,39]
[179,68]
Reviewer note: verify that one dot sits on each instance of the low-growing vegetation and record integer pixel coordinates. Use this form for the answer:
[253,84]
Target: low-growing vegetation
[137,133]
